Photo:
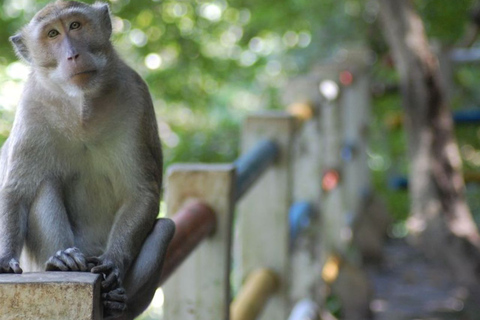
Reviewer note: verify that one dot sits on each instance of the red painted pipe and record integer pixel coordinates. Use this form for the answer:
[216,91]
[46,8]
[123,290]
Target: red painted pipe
[194,222]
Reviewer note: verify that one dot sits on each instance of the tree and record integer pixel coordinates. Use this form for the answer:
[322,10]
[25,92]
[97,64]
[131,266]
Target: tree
[440,217]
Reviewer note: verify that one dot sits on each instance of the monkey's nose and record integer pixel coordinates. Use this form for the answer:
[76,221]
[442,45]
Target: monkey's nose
[73,57]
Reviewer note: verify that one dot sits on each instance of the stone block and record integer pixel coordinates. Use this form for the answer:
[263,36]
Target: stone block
[50,296]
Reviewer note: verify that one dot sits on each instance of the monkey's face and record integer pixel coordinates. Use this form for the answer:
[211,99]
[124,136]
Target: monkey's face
[67,44]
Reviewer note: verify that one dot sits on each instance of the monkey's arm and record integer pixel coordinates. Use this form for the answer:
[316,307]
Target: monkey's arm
[12,231]
[13,218]
[134,221]
[137,215]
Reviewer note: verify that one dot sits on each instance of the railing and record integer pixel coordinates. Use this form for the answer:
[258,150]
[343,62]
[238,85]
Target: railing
[286,225]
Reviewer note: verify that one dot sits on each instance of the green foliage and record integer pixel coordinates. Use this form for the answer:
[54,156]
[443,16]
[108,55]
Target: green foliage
[334,305]
[388,143]
[208,63]
[445,20]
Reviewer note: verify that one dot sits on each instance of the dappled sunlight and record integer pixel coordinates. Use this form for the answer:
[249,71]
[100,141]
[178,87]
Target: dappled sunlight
[138,37]
[212,11]
[14,8]
[153,61]
[167,136]
[10,95]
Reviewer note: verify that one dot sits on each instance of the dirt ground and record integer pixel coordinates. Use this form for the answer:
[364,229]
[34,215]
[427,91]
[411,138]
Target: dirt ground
[408,286]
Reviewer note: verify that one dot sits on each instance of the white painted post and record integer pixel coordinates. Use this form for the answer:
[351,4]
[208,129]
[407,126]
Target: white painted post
[355,105]
[334,218]
[262,228]
[307,256]
[200,288]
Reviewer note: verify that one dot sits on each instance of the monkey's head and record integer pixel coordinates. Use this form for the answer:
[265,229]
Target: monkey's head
[67,43]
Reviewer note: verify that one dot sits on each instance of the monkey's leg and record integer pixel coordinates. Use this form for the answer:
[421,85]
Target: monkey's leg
[49,230]
[142,278]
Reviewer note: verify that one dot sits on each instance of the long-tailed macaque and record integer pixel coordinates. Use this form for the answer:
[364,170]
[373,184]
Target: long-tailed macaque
[81,173]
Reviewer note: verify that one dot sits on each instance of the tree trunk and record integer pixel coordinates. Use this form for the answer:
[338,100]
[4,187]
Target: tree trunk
[440,221]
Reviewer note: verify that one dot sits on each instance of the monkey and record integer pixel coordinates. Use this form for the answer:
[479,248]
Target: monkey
[81,172]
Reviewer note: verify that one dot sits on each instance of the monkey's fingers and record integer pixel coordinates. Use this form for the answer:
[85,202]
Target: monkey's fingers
[68,260]
[10,266]
[117,295]
[113,308]
[111,281]
[103,268]
[110,273]
[64,259]
[15,266]
[114,302]
[79,258]
[55,264]
[93,260]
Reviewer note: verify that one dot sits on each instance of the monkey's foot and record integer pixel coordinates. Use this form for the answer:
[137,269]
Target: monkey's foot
[10,265]
[70,259]
[114,303]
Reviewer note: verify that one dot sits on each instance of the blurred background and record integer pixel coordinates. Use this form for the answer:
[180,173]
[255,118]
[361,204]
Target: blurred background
[208,63]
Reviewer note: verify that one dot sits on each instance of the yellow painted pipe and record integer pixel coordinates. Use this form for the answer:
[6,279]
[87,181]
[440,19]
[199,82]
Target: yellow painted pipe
[253,296]
[301,110]
[331,269]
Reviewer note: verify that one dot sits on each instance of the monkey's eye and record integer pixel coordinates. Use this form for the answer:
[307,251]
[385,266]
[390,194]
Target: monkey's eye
[75,25]
[53,33]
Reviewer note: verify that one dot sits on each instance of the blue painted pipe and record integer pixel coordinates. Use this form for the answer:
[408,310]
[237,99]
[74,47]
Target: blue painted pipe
[348,150]
[468,116]
[465,55]
[398,183]
[299,216]
[251,165]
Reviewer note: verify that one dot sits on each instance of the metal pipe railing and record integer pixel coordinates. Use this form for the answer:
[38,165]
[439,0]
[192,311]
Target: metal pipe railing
[253,296]
[465,55]
[300,217]
[251,165]
[194,222]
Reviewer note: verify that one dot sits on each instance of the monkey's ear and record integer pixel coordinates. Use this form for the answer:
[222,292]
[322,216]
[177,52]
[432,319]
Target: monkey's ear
[104,10]
[20,47]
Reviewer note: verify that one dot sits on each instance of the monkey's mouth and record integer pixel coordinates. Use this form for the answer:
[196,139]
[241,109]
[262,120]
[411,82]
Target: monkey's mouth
[83,77]
[87,72]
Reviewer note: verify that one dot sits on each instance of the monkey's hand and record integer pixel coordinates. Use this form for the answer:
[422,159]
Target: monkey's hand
[10,265]
[113,294]
[109,270]
[71,259]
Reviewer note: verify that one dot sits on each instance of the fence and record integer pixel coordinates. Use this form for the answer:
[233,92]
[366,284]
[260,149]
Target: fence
[294,194]
[276,225]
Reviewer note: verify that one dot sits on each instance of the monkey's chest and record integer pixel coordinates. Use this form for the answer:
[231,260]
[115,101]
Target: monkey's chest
[91,206]
[94,193]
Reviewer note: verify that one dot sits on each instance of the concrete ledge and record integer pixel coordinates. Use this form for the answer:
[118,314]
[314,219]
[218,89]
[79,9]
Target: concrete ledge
[50,296]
